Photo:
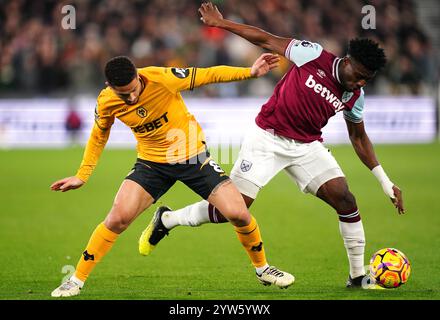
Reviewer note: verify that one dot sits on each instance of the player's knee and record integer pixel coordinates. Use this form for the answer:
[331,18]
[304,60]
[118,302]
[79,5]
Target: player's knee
[239,217]
[116,220]
[349,199]
[345,200]
[116,224]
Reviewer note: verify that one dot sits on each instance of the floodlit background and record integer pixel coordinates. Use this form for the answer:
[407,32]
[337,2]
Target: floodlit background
[50,77]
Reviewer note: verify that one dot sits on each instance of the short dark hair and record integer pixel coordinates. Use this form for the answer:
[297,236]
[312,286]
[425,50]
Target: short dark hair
[120,71]
[368,53]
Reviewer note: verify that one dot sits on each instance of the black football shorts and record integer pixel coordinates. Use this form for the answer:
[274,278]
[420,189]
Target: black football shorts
[200,173]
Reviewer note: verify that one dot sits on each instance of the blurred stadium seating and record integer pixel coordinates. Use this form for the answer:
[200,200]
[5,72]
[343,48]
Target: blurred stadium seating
[40,60]
[39,57]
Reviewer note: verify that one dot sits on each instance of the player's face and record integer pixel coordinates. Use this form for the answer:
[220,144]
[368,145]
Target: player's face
[130,92]
[353,75]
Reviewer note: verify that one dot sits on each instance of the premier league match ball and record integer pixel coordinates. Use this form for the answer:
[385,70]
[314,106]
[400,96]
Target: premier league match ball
[390,268]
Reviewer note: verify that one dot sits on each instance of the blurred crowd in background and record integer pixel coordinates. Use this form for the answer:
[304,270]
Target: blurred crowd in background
[39,57]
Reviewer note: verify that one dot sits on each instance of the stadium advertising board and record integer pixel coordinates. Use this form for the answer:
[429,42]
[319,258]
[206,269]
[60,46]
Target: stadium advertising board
[40,123]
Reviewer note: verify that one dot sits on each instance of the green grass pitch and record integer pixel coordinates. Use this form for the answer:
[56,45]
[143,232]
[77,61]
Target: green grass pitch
[42,232]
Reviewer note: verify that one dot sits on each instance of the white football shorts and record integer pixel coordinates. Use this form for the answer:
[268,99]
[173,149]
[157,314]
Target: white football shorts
[264,154]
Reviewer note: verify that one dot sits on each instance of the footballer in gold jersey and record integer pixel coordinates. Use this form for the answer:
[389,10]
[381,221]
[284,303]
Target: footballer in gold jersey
[171,147]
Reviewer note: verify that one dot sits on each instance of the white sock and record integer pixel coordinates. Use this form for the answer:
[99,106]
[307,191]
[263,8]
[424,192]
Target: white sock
[77,281]
[259,270]
[193,215]
[354,242]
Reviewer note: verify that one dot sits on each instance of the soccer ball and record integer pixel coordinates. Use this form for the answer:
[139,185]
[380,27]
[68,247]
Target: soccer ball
[390,268]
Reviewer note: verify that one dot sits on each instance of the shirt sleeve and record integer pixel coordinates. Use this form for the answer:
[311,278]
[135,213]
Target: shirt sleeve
[96,143]
[356,113]
[301,52]
[103,118]
[180,79]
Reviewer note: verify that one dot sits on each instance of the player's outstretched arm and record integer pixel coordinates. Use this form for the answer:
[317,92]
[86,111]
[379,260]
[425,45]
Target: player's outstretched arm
[95,145]
[197,77]
[364,149]
[67,184]
[211,16]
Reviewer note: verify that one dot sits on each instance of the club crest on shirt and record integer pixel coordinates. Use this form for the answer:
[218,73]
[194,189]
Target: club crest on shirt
[346,96]
[245,165]
[180,73]
[321,73]
[141,112]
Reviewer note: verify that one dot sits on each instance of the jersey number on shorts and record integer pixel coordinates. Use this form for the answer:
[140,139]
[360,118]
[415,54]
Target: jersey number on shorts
[215,166]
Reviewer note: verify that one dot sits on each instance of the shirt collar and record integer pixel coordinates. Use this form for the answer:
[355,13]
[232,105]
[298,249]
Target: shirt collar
[335,69]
